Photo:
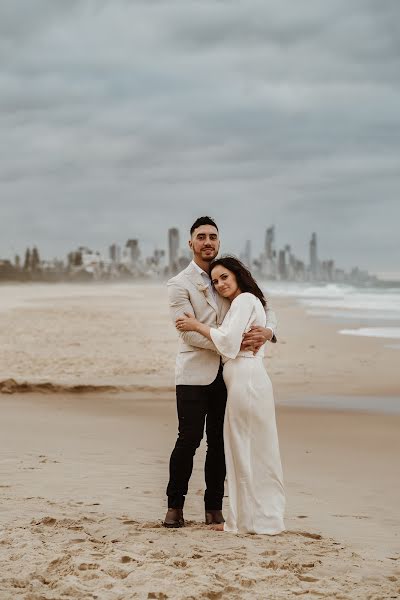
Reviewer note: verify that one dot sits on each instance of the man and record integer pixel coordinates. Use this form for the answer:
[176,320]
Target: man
[200,388]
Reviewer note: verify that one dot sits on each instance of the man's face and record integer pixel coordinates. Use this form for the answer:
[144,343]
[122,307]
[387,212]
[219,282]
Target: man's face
[205,243]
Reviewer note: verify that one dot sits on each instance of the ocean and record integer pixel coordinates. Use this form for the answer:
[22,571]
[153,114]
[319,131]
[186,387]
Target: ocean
[370,311]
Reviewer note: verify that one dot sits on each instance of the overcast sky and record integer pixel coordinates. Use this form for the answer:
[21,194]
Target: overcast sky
[119,119]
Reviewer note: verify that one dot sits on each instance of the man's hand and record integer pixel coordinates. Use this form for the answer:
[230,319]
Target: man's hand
[255,338]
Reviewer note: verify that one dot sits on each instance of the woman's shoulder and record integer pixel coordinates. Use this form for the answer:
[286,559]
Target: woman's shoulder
[246,299]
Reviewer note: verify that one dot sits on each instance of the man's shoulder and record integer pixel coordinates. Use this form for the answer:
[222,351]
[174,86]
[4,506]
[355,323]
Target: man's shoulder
[179,278]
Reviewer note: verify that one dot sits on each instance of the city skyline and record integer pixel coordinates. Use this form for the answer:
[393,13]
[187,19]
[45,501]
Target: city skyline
[230,244]
[232,235]
[127,260]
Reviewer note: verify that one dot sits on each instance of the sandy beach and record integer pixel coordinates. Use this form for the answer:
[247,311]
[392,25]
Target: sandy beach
[121,336]
[83,475]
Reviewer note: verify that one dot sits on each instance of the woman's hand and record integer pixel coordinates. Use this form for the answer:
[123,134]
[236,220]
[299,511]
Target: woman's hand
[187,323]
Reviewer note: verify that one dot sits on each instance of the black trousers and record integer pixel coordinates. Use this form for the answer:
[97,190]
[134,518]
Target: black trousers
[199,405]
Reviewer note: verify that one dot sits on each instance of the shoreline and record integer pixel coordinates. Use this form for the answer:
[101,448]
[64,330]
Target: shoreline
[372,405]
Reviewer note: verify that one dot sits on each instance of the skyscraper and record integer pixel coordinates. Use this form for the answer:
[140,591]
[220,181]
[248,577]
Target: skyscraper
[173,245]
[313,256]
[115,253]
[288,261]
[270,243]
[268,260]
[282,264]
[133,246]
[247,254]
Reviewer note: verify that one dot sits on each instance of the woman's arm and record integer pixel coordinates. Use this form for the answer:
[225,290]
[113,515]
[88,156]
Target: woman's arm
[228,337]
[189,323]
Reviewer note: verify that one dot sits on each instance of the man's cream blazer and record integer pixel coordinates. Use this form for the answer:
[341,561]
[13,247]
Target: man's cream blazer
[197,361]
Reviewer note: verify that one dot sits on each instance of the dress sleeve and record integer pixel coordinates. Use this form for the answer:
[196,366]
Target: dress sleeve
[228,337]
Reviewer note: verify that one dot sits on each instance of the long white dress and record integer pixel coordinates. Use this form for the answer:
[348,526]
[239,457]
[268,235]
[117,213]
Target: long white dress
[253,464]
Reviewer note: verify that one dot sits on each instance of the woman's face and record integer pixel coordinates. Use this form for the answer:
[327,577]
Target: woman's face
[225,282]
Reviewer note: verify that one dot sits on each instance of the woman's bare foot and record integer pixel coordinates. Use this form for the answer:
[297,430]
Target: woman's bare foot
[217,527]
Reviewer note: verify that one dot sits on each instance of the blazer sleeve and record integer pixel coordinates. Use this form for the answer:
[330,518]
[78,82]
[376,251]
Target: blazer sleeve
[271,323]
[179,303]
[228,338]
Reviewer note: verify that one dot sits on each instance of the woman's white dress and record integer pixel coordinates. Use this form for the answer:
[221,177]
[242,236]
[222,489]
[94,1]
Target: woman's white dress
[253,464]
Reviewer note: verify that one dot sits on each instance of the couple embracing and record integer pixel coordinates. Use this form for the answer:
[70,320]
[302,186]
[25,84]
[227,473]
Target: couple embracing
[222,385]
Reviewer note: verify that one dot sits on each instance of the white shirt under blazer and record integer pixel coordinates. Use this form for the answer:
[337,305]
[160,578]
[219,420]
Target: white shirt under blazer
[198,361]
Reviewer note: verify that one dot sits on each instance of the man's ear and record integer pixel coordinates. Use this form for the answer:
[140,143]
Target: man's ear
[190,244]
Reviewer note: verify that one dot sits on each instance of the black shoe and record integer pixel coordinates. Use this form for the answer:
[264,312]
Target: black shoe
[174,518]
[214,517]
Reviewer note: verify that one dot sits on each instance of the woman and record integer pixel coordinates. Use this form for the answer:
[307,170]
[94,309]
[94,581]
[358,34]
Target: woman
[253,464]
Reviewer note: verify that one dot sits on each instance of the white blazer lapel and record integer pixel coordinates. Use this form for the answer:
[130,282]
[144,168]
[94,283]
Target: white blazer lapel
[198,281]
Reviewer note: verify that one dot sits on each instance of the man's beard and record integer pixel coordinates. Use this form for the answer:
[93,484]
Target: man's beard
[210,257]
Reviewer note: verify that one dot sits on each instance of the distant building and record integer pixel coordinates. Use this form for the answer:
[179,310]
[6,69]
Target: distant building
[115,253]
[246,256]
[328,270]
[158,256]
[270,243]
[267,263]
[288,261]
[313,256]
[7,269]
[133,251]
[282,264]
[173,247]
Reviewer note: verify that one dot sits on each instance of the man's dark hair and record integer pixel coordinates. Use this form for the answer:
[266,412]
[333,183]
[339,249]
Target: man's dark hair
[244,278]
[202,221]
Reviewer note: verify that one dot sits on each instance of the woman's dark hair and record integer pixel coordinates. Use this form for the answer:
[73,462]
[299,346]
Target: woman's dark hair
[202,221]
[244,278]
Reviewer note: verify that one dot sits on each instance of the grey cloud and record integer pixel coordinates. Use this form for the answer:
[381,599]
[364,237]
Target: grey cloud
[124,118]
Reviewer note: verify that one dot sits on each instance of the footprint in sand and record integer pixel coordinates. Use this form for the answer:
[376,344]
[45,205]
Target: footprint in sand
[117,573]
[47,521]
[180,564]
[130,522]
[307,534]
[127,559]
[88,566]
[269,553]
[245,581]
[213,595]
